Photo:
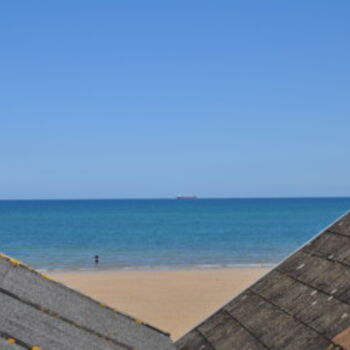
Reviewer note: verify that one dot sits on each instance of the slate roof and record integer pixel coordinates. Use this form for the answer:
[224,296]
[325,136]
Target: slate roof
[40,314]
[303,303]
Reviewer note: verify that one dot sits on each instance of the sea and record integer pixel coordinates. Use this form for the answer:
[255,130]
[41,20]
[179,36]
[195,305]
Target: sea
[161,233]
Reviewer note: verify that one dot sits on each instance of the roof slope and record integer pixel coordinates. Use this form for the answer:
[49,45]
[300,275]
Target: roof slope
[38,312]
[5,345]
[303,303]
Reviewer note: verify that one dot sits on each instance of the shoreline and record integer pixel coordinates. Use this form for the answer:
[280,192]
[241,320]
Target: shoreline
[200,267]
[171,300]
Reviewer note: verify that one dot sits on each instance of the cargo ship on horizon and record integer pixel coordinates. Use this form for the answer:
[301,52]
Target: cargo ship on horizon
[189,196]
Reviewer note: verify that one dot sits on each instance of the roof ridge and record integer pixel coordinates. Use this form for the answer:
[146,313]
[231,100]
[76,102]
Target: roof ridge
[265,274]
[138,321]
[14,340]
[56,315]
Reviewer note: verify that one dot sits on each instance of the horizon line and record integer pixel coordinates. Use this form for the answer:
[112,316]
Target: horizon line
[168,198]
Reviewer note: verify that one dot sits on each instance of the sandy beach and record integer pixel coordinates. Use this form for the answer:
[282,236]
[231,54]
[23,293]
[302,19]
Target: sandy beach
[173,301]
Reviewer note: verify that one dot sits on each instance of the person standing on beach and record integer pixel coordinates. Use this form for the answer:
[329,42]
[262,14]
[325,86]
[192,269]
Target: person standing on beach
[97,259]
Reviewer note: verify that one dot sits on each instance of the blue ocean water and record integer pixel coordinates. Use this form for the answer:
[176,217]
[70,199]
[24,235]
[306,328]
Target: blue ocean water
[131,234]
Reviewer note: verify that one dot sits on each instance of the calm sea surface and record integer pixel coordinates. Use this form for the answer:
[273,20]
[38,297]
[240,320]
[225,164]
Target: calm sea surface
[131,234]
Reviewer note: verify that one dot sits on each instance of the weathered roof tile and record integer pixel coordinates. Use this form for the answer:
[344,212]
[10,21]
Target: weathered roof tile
[40,312]
[304,303]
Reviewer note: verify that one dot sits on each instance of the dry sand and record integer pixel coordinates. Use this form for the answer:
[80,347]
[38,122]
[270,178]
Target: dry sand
[173,301]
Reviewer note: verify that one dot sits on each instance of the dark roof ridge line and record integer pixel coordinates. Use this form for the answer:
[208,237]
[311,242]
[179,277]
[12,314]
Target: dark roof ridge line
[56,315]
[18,342]
[247,329]
[337,233]
[259,279]
[315,255]
[311,286]
[138,321]
[295,318]
[205,338]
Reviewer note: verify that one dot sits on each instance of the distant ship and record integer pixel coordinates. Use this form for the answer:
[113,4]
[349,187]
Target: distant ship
[191,196]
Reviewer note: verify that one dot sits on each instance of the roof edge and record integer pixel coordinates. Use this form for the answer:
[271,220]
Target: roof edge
[263,276]
[137,321]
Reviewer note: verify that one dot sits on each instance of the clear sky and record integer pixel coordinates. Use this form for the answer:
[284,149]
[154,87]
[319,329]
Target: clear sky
[132,99]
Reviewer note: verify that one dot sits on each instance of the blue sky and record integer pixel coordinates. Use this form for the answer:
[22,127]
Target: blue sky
[131,99]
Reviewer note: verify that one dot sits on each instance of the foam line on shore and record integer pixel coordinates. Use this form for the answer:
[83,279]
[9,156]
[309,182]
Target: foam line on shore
[102,269]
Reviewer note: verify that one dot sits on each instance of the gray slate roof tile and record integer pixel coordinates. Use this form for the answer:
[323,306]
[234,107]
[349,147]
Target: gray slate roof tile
[52,316]
[304,303]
